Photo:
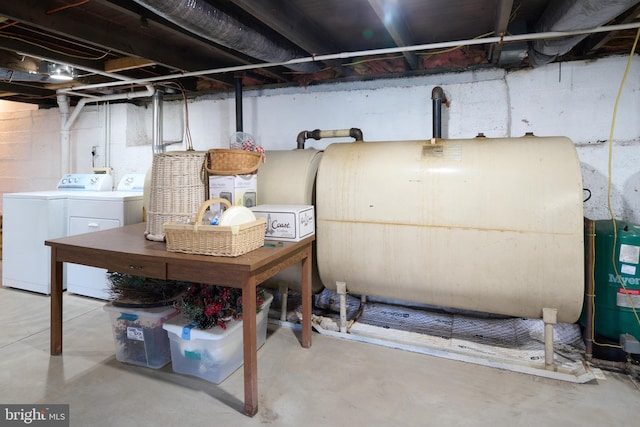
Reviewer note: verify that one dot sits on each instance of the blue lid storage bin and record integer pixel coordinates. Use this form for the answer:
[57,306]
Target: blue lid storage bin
[212,354]
[138,334]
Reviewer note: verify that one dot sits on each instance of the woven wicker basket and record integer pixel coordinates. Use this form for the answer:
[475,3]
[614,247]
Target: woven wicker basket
[214,240]
[223,161]
[178,188]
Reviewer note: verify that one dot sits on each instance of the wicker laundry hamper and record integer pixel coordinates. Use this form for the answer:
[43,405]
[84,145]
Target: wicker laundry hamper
[178,188]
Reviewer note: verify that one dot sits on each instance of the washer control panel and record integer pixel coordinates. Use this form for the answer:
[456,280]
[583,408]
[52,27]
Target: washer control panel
[86,182]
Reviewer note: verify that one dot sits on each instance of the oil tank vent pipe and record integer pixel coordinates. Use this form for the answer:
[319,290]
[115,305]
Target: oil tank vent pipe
[437,98]
[238,86]
[317,134]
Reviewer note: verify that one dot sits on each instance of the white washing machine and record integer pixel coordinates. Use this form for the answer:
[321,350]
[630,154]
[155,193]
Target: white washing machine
[95,211]
[30,218]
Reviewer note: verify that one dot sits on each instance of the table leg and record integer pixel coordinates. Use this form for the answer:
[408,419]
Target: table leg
[306,298]
[56,304]
[250,346]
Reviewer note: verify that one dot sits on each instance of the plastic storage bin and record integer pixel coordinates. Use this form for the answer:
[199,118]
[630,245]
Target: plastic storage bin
[138,335]
[212,354]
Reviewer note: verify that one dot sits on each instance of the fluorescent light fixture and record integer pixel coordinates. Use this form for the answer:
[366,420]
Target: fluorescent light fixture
[63,73]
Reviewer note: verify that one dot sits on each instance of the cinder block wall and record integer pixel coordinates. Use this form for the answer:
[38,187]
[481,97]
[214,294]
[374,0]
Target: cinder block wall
[574,99]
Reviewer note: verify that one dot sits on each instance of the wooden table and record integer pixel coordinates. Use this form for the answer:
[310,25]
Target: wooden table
[125,250]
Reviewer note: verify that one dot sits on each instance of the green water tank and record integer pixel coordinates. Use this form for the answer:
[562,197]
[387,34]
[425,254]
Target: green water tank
[615,303]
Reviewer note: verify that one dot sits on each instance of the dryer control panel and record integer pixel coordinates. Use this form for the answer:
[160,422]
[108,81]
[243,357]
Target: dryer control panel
[132,182]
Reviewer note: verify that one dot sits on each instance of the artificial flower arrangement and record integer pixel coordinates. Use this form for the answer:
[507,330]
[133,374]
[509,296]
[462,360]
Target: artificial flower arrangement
[213,305]
[142,291]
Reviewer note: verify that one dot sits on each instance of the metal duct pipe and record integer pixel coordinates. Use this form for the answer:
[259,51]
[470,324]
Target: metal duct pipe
[437,96]
[569,15]
[205,20]
[317,134]
[157,145]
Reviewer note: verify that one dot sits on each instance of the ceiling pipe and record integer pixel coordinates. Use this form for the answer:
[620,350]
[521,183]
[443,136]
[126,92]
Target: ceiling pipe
[67,119]
[211,23]
[346,55]
[114,97]
[567,15]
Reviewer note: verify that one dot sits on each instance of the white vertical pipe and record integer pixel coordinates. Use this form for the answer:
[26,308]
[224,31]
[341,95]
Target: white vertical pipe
[63,104]
[158,146]
[284,293]
[550,318]
[341,289]
[107,134]
[67,119]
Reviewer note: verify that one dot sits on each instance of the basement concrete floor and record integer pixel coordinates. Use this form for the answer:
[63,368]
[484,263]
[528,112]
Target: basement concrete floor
[334,383]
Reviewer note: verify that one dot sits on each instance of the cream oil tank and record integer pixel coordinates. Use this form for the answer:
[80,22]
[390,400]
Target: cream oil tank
[288,178]
[490,225]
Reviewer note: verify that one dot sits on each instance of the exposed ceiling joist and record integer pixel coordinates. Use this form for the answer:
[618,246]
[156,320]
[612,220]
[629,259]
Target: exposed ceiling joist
[126,63]
[393,20]
[99,37]
[602,39]
[25,89]
[289,22]
[162,42]
[503,15]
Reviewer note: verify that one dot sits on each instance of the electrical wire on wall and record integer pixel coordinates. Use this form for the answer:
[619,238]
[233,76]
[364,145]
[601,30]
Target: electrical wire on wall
[611,214]
[187,131]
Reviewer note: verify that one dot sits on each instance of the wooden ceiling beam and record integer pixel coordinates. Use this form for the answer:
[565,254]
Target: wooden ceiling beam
[596,41]
[393,20]
[503,14]
[126,63]
[118,39]
[292,25]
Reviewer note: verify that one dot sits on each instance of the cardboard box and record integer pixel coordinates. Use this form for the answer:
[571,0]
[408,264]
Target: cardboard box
[212,354]
[290,223]
[239,190]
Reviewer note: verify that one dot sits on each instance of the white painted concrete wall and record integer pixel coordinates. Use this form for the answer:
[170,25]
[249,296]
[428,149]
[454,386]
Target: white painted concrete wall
[571,99]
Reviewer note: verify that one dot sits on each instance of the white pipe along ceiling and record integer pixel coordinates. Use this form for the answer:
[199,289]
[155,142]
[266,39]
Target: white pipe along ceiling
[346,55]
[207,45]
